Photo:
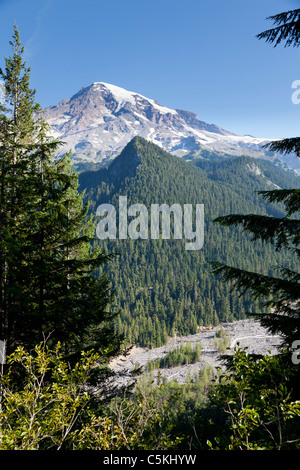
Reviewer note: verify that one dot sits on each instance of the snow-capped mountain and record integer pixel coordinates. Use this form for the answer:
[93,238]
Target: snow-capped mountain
[99,121]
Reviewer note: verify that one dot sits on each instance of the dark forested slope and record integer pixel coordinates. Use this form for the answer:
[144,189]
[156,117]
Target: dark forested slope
[161,287]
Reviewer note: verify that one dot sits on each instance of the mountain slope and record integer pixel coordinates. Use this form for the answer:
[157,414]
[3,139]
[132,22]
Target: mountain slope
[162,288]
[99,120]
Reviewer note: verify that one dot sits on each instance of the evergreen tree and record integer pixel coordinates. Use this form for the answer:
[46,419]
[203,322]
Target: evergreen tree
[279,292]
[18,131]
[48,283]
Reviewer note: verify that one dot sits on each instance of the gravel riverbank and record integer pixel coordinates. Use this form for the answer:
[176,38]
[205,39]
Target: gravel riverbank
[248,333]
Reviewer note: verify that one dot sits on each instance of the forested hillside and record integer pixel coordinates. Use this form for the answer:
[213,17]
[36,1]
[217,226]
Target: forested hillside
[162,288]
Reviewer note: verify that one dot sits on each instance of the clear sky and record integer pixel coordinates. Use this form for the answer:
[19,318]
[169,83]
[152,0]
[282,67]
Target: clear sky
[196,55]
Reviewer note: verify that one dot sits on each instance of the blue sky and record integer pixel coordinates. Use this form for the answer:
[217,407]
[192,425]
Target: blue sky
[200,56]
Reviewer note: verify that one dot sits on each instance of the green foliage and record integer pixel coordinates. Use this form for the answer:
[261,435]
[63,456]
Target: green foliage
[146,417]
[50,408]
[255,395]
[171,411]
[185,354]
[221,341]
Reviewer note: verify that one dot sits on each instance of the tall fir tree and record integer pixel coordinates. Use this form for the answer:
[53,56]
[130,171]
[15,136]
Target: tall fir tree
[48,283]
[18,131]
[280,293]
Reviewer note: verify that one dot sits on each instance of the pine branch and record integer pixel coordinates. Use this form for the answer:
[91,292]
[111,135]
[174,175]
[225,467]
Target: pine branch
[289,197]
[281,324]
[285,290]
[280,232]
[284,146]
[288,29]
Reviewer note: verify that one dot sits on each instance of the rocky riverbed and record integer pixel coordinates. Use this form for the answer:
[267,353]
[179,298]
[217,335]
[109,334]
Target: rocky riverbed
[248,333]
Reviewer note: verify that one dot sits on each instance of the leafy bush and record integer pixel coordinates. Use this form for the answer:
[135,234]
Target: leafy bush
[256,395]
[48,405]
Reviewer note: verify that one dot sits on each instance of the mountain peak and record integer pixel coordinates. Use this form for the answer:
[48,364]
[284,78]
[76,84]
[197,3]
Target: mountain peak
[126,164]
[123,97]
[99,120]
